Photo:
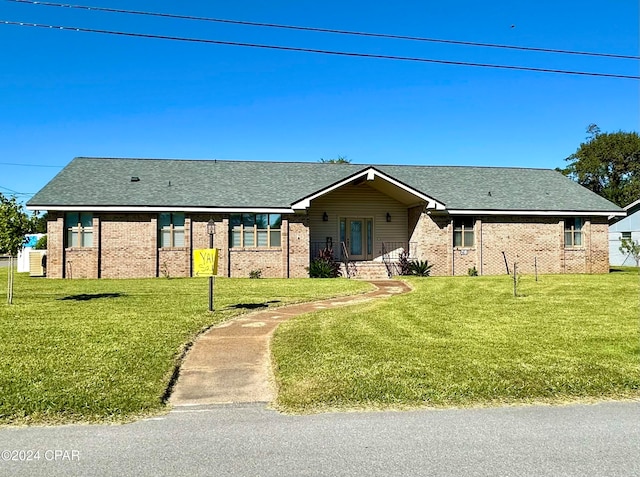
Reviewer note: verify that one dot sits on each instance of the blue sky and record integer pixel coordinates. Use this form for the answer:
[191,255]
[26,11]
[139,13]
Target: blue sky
[67,94]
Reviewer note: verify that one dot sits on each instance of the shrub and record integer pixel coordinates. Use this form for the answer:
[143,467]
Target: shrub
[472,272]
[255,273]
[404,264]
[324,265]
[421,268]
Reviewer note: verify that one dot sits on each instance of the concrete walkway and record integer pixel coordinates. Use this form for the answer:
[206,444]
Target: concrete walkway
[231,363]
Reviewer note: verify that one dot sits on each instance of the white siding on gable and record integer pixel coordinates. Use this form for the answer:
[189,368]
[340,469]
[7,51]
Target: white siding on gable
[359,201]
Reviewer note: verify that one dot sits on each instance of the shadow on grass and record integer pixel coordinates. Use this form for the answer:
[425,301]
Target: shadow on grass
[252,306]
[93,296]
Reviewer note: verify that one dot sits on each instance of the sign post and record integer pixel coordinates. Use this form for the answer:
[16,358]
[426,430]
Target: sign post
[205,261]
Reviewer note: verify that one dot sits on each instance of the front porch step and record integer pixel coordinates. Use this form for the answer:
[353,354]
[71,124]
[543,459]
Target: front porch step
[366,270]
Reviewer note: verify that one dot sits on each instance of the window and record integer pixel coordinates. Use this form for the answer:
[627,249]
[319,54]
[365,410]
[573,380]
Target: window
[463,232]
[573,232]
[625,236]
[255,230]
[171,229]
[79,227]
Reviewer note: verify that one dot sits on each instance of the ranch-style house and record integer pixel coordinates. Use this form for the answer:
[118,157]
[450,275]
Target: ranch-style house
[126,218]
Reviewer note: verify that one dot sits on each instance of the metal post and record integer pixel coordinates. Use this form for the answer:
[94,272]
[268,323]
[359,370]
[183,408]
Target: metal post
[211,277]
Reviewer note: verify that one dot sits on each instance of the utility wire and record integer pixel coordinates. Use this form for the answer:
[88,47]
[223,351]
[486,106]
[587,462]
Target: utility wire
[28,165]
[326,30]
[16,192]
[324,52]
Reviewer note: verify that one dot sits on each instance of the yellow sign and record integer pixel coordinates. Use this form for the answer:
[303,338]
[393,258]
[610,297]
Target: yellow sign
[205,262]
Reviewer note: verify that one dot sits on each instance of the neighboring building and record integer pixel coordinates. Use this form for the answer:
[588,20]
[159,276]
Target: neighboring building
[624,227]
[117,218]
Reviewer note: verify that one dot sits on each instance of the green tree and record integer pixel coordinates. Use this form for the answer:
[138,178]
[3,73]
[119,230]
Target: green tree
[39,223]
[608,164]
[630,247]
[14,224]
[337,160]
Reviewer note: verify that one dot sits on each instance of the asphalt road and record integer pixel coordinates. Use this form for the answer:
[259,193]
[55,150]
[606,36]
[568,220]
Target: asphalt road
[249,440]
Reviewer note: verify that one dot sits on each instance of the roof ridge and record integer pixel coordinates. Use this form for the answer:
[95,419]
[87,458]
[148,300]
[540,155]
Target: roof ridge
[250,161]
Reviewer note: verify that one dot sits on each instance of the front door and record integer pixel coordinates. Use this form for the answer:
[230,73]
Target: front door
[356,233]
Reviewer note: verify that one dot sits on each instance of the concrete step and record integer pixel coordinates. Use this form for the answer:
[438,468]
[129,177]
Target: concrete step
[366,270]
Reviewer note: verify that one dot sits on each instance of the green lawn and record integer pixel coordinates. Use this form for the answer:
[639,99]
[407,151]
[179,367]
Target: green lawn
[467,341]
[101,350]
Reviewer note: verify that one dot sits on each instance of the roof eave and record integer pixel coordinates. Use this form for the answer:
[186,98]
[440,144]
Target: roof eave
[579,213]
[153,209]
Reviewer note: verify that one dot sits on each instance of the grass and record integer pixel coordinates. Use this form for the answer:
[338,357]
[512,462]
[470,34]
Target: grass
[467,341]
[105,350]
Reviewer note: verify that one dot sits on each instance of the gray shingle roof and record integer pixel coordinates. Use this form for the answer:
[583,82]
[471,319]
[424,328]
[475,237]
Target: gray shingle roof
[107,182]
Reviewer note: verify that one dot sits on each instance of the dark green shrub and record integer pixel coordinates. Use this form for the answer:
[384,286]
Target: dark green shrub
[324,266]
[472,272]
[255,273]
[421,268]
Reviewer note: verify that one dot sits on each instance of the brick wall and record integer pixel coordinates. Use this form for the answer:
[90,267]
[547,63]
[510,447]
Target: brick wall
[268,261]
[55,246]
[433,237]
[599,239]
[525,240]
[297,240]
[128,245]
[529,241]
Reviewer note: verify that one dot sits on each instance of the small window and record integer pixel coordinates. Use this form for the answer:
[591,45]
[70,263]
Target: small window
[171,229]
[625,236]
[463,235]
[573,232]
[255,230]
[79,226]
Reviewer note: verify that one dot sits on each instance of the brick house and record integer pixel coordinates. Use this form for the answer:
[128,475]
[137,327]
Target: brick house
[121,218]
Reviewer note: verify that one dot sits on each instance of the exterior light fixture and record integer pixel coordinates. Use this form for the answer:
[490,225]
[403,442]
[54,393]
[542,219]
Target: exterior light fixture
[388,217]
[325,217]
[211,229]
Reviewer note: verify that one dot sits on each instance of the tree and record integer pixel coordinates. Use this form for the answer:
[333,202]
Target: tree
[629,247]
[337,160]
[39,223]
[14,224]
[608,164]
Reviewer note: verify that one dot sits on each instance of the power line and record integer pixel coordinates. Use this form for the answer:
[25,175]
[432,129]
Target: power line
[327,30]
[28,165]
[16,192]
[324,52]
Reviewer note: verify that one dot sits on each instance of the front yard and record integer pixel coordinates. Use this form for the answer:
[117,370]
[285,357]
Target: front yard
[467,341]
[105,350]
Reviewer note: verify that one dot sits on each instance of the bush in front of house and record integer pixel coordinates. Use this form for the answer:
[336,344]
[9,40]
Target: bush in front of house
[324,265]
[421,268]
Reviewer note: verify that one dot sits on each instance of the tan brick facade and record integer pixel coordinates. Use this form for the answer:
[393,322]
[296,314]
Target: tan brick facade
[125,245]
[533,243]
